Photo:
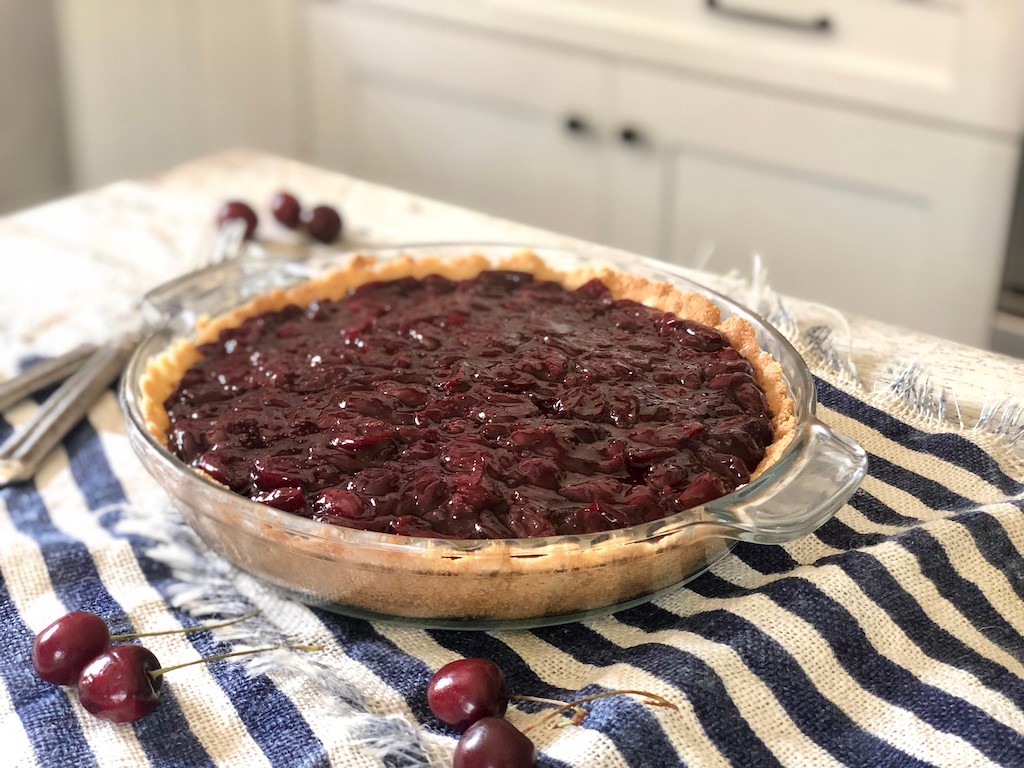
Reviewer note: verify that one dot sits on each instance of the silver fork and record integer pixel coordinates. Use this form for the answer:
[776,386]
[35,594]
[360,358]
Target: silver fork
[87,373]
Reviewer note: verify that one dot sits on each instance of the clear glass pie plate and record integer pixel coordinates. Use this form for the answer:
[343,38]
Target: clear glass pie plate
[487,583]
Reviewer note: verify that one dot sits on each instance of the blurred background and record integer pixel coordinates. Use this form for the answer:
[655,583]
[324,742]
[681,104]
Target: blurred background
[867,150]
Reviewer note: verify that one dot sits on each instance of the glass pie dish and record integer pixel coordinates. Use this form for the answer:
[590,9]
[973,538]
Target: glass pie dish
[492,582]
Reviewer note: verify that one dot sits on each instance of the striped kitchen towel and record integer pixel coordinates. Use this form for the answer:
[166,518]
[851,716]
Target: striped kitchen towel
[892,636]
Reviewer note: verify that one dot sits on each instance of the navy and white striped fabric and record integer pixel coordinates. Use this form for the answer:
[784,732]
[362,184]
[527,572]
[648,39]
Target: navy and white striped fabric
[890,637]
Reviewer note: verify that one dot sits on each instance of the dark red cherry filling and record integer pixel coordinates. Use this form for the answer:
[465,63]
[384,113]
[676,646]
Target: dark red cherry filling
[496,407]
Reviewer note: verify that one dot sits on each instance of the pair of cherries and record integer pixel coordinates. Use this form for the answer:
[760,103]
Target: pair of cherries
[119,682]
[322,223]
[472,696]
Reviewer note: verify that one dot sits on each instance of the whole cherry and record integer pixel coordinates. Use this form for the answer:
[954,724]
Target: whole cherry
[493,742]
[323,223]
[121,684]
[467,690]
[286,209]
[237,209]
[471,695]
[61,651]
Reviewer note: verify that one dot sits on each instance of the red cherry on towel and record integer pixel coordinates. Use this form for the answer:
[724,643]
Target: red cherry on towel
[466,690]
[494,742]
[61,651]
[121,684]
[471,695]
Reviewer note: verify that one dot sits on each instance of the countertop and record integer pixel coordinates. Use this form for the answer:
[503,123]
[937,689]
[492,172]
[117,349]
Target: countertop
[889,636]
[164,222]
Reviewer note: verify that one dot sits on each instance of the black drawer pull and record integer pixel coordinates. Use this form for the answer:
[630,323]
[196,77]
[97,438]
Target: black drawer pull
[820,24]
[632,136]
[577,125]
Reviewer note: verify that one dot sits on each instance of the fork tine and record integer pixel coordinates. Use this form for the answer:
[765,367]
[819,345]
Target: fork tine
[230,241]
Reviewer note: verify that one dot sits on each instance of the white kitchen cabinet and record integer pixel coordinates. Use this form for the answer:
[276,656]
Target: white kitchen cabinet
[478,122]
[886,218]
[506,163]
[148,85]
[949,61]
[897,219]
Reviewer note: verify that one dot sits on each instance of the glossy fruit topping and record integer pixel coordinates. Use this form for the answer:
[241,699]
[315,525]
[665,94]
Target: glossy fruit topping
[496,407]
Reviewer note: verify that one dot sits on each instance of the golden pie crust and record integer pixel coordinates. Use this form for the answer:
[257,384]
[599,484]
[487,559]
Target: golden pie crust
[494,580]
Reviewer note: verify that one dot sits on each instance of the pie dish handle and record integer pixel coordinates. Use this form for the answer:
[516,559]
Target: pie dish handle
[808,485]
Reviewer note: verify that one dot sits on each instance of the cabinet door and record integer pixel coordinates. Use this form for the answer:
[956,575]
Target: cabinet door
[509,165]
[891,220]
[467,118]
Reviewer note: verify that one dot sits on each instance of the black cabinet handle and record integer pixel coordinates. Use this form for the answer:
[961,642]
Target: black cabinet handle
[631,136]
[820,24]
[576,125]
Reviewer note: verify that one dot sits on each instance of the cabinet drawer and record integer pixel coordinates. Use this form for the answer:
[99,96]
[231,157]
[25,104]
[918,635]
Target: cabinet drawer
[918,42]
[875,150]
[881,217]
[378,44]
[956,60]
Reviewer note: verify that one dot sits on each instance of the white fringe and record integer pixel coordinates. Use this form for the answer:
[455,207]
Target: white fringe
[906,388]
[207,585]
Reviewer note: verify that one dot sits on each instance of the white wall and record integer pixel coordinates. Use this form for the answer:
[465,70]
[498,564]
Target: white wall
[152,83]
[33,166]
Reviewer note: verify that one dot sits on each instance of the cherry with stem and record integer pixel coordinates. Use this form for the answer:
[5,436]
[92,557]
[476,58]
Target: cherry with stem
[124,682]
[62,649]
[471,695]
[651,699]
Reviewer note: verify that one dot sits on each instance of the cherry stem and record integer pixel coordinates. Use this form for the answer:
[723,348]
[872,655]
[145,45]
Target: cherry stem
[541,700]
[652,699]
[182,630]
[154,673]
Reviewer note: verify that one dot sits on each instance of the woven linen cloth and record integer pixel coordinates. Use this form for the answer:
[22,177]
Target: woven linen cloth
[891,636]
